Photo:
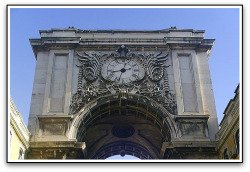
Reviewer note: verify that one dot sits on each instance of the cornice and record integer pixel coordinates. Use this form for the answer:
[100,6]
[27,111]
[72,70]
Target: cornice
[72,37]
[167,30]
[193,43]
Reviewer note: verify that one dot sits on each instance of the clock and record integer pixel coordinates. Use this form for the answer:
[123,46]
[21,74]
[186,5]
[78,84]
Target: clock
[123,71]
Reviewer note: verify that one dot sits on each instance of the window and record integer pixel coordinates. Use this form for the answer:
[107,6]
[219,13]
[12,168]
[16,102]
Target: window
[225,154]
[21,154]
[237,142]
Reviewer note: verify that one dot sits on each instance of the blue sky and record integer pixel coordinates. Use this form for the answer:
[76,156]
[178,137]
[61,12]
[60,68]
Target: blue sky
[221,24]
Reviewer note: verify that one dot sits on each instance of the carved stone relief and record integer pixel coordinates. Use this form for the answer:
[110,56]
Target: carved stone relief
[104,73]
[192,127]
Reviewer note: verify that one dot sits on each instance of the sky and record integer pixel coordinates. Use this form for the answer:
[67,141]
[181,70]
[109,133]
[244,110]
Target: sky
[221,24]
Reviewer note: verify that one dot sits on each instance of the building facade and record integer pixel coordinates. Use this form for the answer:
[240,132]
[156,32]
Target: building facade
[229,133]
[99,93]
[18,135]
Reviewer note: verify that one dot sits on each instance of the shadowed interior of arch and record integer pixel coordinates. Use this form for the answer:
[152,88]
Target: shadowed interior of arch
[123,127]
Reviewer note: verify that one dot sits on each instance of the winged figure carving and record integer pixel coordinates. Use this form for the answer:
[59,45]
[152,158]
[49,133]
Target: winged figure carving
[155,65]
[90,65]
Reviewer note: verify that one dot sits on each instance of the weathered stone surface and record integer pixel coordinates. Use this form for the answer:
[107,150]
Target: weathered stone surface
[90,84]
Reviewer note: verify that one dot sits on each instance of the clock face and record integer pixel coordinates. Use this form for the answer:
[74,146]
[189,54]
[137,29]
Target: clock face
[123,71]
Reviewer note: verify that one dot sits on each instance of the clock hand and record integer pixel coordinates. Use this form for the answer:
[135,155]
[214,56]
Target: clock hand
[122,70]
[117,70]
[120,76]
[128,68]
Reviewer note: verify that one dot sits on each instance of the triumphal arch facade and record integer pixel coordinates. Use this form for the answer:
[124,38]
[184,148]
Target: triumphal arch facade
[99,93]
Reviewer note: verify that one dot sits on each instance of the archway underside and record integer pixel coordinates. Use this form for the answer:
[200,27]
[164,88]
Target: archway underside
[123,126]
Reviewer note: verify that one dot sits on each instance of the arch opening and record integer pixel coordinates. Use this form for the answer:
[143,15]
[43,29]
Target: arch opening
[114,124]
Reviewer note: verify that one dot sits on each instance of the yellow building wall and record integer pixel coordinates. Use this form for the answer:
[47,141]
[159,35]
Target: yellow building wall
[229,127]
[15,145]
[229,143]
[18,136]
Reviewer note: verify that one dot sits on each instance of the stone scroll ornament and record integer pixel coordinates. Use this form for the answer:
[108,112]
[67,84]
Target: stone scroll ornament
[89,69]
[90,65]
[155,65]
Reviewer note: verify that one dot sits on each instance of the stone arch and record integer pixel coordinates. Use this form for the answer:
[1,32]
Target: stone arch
[123,110]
